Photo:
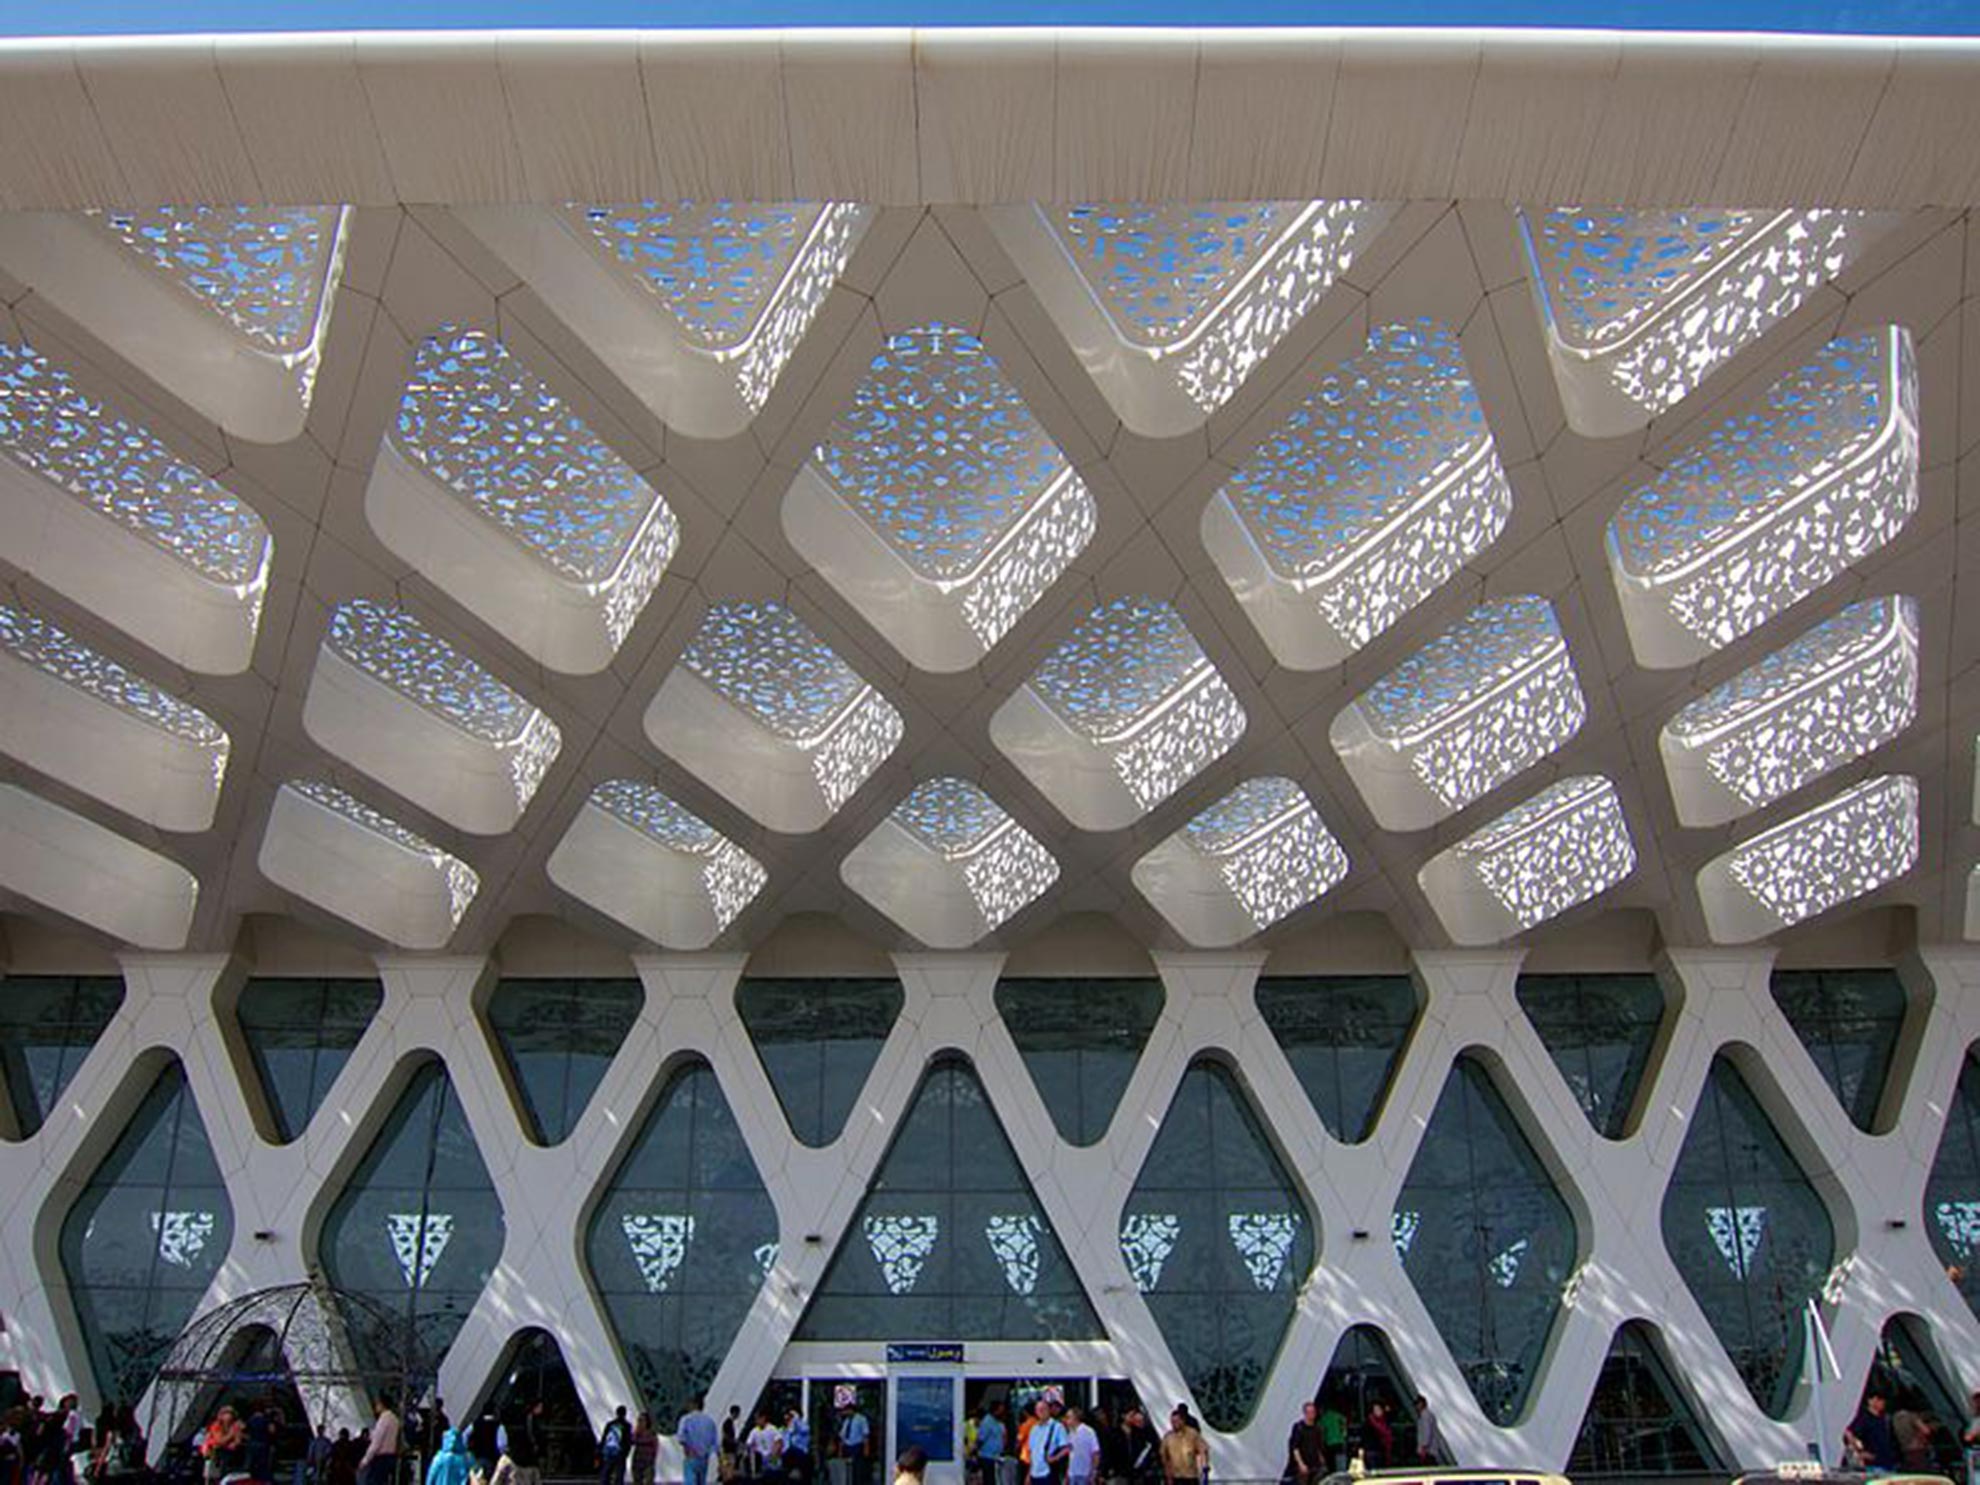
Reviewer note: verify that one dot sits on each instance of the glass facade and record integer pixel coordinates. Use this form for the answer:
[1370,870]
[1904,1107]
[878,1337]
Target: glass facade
[1343,1037]
[1218,1241]
[1638,1422]
[419,1228]
[535,1373]
[1080,1040]
[817,1040]
[681,1242]
[299,1035]
[557,1038]
[1952,1195]
[1486,1239]
[1905,1373]
[1850,1021]
[1749,1234]
[950,1242]
[1362,1376]
[48,1023]
[1600,1031]
[149,1232]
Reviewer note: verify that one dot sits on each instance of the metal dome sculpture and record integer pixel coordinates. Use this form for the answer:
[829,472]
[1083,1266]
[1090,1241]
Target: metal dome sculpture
[339,1349]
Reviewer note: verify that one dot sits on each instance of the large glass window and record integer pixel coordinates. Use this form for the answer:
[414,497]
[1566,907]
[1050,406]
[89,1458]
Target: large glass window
[1486,1239]
[1218,1241]
[1906,1376]
[535,1374]
[558,1037]
[1600,1030]
[48,1023]
[1363,1376]
[299,1035]
[681,1242]
[150,1230]
[818,1040]
[1850,1021]
[1952,1194]
[950,1242]
[1343,1036]
[1749,1234]
[1080,1040]
[1638,1422]
[419,1227]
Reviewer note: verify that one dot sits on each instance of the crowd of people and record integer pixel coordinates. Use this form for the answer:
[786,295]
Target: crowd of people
[40,1445]
[1912,1440]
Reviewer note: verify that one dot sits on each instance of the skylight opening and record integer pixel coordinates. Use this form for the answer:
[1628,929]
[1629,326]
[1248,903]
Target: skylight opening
[1370,497]
[1481,703]
[493,488]
[936,503]
[642,858]
[1566,845]
[1125,711]
[1642,306]
[418,715]
[1172,305]
[949,865]
[34,641]
[815,731]
[1842,690]
[1257,855]
[1773,503]
[1842,849]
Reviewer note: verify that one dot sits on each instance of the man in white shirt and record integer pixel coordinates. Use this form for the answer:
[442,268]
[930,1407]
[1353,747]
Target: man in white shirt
[380,1464]
[1084,1460]
[766,1447]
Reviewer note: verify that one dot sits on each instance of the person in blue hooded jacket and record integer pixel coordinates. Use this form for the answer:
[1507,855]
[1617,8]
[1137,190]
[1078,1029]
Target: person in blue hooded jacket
[450,1465]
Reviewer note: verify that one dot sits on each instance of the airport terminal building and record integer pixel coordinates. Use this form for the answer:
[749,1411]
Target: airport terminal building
[901,717]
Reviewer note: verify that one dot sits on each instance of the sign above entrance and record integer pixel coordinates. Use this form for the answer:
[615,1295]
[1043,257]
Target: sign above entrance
[925,1353]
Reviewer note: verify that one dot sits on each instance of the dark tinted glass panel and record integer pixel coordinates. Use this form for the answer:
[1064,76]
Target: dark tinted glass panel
[817,1040]
[1218,1242]
[1925,1419]
[1485,1238]
[1343,1037]
[146,1237]
[1749,1234]
[299,1035]
[1850,1020]
[1080,1040]
[48,1023]
[1638,1422]
[681,1243]
[1365,1403]
[560,1439]
[558,1037]
[1952,1195]
[950,1242]
[1600,1030]
[419,1227]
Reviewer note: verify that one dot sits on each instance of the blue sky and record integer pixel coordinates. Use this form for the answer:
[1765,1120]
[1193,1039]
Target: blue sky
[72,17]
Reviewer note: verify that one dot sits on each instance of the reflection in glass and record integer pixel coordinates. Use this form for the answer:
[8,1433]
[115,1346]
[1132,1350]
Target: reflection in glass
[950,1242]
[48,1023]
[1638,1421]
[1952,1195]
[1600,1030]
[299,1035]
[1343,1036]
[419,1228]
[1486,1239]
[1749,1234]
[817,1040]
[146,1237]
[1080,1040]
[681,1242]
[1219,1242]
[558,1037]
[1850,1021]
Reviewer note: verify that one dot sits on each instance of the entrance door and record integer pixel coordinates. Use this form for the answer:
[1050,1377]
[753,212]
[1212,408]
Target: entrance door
[925,1413]
[829,1403]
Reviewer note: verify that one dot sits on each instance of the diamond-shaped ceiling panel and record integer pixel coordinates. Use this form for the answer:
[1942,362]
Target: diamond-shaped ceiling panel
[1368,499]
[936,504]
[1122,714]
[495,490]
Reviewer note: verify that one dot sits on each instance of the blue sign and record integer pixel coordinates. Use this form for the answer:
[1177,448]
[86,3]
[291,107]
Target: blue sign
[925,1414]
[924,1353]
